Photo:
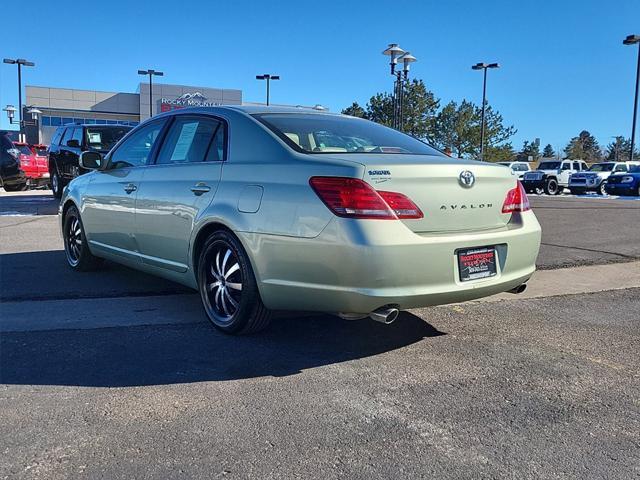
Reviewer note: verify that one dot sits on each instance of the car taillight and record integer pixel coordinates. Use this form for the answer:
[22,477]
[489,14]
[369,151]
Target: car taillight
[401,205]
[355,198]
[516,200]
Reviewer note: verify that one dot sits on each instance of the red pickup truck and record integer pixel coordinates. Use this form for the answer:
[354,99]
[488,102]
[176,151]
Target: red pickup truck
[34,162]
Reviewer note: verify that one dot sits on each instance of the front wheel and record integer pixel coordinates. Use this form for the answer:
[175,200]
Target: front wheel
[601,189]
[228,287]
[76,248]
[551,187]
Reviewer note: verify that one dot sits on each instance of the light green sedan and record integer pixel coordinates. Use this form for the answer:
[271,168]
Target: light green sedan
[263,208]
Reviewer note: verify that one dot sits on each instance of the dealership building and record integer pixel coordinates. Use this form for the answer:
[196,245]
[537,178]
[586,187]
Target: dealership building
[61,106]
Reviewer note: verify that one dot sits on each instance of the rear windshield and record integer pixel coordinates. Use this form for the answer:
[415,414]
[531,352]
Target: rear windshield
[549,166]
[602,167]
[318,133]
[103,138]
[24,149]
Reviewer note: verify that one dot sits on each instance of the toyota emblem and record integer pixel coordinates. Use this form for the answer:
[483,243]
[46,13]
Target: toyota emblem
[467,179]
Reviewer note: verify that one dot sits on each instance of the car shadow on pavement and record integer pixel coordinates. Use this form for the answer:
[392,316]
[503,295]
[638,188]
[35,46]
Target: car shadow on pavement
[169,354]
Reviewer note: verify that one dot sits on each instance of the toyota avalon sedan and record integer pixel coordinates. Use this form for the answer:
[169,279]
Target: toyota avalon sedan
[264,208]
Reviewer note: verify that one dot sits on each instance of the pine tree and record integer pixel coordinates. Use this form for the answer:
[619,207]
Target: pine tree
[548,151]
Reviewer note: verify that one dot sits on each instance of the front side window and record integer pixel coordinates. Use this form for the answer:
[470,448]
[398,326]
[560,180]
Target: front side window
[191,140]
[321,133]
[135,151]
[621,168]
[567,166]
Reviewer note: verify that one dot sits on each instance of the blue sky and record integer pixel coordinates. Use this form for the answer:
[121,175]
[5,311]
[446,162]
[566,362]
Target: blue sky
[564,67]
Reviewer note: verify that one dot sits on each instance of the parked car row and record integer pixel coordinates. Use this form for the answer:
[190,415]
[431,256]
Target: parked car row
[24,166]
[552,177]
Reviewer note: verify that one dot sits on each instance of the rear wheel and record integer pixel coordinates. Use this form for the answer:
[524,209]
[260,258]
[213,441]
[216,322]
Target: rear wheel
[228,287]
[56,184]
[16,188]
[76,248]
[551,187]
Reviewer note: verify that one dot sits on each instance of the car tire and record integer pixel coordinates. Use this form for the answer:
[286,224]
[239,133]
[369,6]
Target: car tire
[551,187]
[16,188]
[57,186]
[228,287]
[601,189]
[76,247]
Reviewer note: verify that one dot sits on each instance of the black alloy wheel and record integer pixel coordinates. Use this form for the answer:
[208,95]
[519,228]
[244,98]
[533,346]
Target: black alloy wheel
[76,249]
[228,288]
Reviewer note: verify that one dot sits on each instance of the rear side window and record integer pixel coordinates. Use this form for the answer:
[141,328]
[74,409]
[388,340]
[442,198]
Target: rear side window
[77,135]
[57,136]
[66,137]
[135,150]
[192,140]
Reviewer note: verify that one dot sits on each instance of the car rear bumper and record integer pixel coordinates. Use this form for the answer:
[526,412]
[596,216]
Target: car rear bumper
[359,266]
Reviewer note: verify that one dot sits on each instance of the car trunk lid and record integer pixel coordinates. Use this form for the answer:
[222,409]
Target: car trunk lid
[454,194]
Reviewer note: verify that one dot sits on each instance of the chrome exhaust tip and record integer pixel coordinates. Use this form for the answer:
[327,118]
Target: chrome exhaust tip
[385,315]
[519,289]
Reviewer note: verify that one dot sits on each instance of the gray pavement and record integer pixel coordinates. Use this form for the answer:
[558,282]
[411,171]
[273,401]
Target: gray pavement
[115,374]
[518,389]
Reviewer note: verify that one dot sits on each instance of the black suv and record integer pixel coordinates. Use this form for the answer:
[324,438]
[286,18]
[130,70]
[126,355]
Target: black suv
[12,177]
[70,141]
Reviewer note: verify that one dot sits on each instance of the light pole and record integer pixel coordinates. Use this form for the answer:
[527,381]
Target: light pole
[396,55]
[268,77]
[632,40]
[20,62]
[483,66]
[151,73]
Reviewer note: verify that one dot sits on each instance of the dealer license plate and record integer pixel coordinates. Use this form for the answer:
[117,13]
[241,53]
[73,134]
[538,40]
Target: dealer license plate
[476,263]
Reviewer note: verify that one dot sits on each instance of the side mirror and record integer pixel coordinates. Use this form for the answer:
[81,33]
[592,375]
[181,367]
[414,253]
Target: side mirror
[73,143]
[90,160]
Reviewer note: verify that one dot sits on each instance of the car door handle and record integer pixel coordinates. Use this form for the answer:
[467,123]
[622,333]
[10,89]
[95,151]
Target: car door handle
[200,188]
[129,188]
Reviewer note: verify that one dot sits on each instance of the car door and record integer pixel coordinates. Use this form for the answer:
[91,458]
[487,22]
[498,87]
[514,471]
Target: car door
[180,184]
[54,151]
[108,211]
[64,155]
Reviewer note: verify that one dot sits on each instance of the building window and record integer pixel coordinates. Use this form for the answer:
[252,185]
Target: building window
[99,121]
[66,120]
[56,121]
[46,121]
[89,121]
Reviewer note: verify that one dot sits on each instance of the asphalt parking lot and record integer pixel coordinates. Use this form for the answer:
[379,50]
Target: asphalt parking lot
[115,374]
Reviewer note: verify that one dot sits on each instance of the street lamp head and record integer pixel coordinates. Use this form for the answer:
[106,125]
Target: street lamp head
[407,59]
[143,72]
[11,111]
[393,51]
[479,66]
[8,60]
[275,77]
[319,107]
[631,39]
[493,65]
[34,112]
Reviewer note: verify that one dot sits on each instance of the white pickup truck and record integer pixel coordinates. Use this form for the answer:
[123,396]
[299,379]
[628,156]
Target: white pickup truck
[595,179]
[552,176]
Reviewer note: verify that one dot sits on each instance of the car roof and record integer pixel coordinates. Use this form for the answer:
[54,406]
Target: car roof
[250,110]
[94,125]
